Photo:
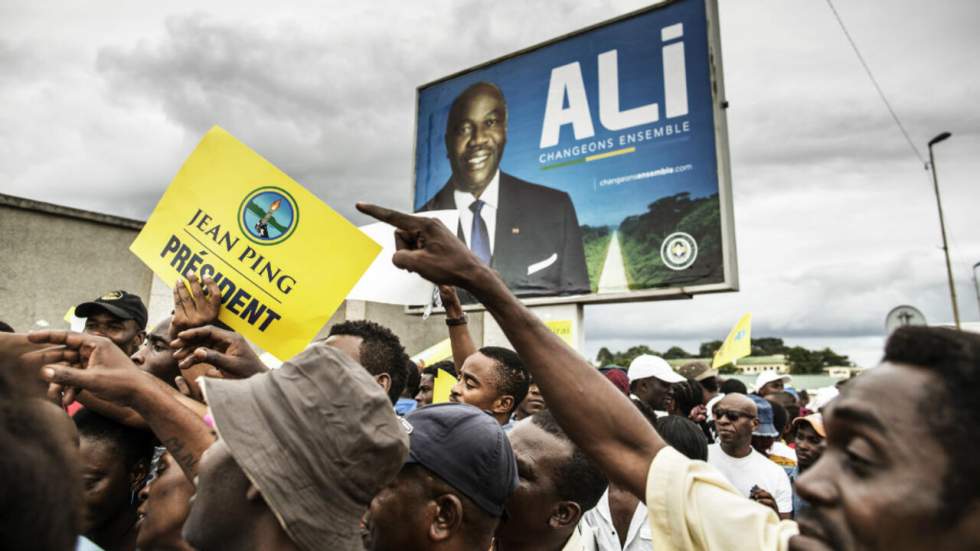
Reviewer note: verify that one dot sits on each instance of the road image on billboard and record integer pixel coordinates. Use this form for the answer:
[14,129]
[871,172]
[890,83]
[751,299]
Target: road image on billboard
[592,168]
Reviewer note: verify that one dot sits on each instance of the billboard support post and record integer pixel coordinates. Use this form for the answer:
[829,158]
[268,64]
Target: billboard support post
[942,227]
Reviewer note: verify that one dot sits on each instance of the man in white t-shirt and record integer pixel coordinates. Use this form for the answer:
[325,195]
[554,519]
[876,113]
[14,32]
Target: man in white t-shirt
[752,474]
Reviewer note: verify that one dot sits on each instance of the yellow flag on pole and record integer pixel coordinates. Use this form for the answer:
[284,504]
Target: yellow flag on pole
[737,345]
[442,386]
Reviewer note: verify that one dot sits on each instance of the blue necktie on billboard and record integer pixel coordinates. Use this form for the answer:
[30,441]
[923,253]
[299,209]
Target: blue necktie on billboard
[479,236]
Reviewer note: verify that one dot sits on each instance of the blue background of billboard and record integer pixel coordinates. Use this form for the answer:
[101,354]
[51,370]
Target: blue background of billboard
[524,82]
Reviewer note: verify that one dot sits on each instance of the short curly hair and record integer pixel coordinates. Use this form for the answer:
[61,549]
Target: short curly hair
[381,352]
[512,378]
[952,406]
[579,479]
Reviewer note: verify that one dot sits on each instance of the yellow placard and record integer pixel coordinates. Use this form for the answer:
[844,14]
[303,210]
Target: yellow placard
[442,350]
[562,328]
[442,387]
[282,258]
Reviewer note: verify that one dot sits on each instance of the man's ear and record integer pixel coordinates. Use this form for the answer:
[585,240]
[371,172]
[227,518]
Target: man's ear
[384,380]
[566,513]
[503,404]
[755,424]
[140,336]
[448,518]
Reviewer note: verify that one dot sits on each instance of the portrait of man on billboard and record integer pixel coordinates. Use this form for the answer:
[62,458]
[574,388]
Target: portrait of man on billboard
[527,232]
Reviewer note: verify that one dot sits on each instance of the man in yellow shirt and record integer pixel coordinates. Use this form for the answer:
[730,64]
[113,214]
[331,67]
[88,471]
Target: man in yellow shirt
[899,471]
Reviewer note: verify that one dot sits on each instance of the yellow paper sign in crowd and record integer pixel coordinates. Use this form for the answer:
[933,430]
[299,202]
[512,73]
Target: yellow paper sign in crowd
[282,258]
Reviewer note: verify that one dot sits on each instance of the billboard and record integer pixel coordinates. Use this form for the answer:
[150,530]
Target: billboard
[591,168]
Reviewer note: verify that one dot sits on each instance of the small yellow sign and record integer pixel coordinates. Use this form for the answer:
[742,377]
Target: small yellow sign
[562,328]
[282,258]
[442,387]
[442,350]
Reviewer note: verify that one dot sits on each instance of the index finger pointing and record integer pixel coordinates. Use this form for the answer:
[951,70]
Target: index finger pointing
[50,336]
[393,217]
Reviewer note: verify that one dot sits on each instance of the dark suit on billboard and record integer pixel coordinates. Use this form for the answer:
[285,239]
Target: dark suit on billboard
[538,248]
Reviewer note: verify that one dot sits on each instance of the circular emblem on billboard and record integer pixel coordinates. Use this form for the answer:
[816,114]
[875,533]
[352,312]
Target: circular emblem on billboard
[678,251]
[268,215]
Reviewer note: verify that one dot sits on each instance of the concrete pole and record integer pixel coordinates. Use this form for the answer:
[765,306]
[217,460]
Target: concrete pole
[942,227]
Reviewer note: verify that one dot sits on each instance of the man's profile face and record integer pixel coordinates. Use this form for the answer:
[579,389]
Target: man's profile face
[126,334]
[654,392]
[477,384]
[394,519]
[879,482]
[475,137]
[539,456]
[426,384]
[219,508]
[164,506]
[155,356]
[533,402]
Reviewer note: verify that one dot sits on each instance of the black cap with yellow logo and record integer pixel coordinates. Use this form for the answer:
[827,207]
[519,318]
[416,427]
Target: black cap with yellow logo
[121,304]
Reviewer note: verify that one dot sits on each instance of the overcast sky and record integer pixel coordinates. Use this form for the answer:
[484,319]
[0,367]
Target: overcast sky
[835,217]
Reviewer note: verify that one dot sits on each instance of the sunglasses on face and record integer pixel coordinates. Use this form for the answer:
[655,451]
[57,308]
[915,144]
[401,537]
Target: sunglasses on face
[731,415]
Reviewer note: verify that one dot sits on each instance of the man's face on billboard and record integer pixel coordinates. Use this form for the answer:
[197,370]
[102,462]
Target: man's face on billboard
[475,137]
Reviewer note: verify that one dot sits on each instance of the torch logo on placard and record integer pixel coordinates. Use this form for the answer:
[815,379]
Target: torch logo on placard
[268,215]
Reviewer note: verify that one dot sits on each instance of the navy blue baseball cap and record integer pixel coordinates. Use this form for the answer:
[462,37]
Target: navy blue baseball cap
[468,449]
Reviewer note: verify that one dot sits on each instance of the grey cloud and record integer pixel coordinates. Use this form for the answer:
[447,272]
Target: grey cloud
[334,110]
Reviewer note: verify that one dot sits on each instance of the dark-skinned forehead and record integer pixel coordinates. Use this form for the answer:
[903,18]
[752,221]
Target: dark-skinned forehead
[738,402]
[161,329]
[887,397]
[478,90]
[103,314]
[532,444]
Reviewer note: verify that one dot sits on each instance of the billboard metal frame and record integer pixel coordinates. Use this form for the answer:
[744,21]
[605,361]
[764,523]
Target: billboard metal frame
[719,107]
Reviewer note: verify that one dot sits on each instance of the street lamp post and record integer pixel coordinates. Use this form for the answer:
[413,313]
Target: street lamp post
[942,226]
[976,283]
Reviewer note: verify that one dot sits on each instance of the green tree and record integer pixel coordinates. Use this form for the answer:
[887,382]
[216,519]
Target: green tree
[676,353]
[604,357]
[830,358]
[708,349]
[622,359]
[803,361]
[768,346]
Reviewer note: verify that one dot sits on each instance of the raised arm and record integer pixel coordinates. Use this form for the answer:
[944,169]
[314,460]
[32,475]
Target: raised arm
[100,368]
[459,332]
[597,417]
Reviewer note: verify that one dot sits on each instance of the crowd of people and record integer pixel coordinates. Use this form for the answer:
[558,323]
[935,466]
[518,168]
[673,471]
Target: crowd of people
[176,436]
